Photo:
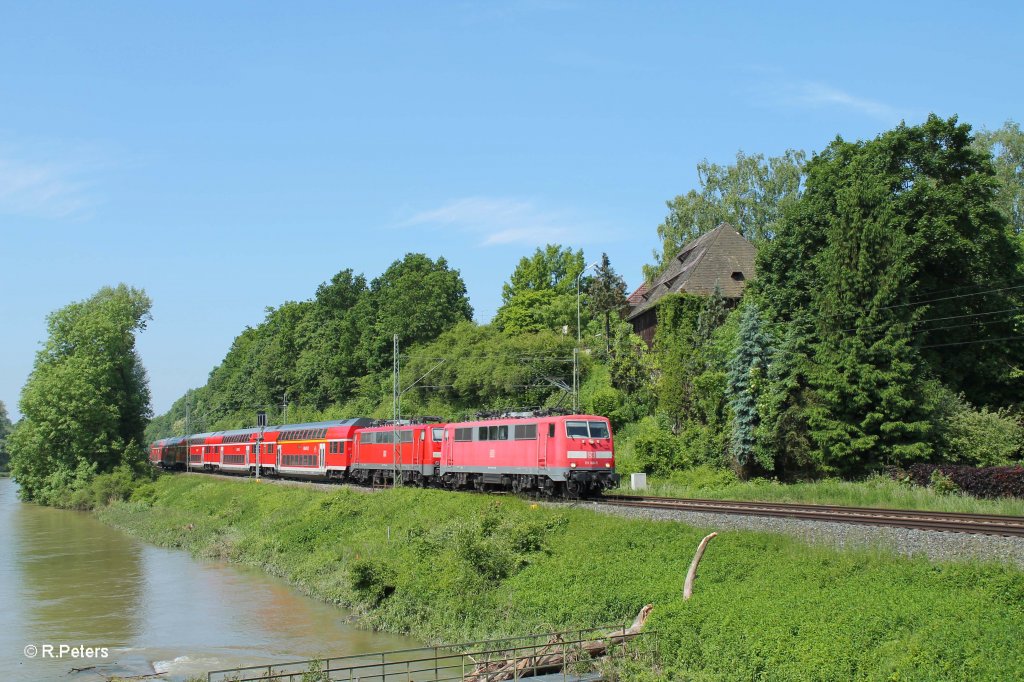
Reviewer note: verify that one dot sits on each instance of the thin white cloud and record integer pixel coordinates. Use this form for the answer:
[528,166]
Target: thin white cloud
[815,95]
[40,189]
[496,221]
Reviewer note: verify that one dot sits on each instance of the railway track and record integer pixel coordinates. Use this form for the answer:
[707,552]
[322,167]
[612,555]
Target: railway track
[982,524]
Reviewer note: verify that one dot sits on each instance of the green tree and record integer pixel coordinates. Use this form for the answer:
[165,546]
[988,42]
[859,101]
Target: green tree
[606,294]
[5,429]
[541,293]
[86,402]
[746,378]
[750,195]
[788,402]
[891,238]
[416,298]
[631,370]
[1005,146]
[328,366]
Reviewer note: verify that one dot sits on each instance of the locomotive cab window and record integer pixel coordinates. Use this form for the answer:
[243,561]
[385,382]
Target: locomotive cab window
[575,429]
[599,430]
[436,434]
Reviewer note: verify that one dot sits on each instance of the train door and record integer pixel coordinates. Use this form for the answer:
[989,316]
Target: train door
[323,449]
[278,461]
[546,435]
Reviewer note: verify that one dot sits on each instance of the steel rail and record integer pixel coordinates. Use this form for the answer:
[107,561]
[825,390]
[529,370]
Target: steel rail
[984,524]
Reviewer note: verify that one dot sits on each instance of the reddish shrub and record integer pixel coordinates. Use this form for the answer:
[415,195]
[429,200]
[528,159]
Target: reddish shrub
[976,481]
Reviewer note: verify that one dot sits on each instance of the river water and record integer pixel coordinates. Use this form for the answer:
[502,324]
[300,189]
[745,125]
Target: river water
[66,579]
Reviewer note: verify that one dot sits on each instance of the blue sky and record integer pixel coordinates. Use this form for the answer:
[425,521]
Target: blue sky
[227,156]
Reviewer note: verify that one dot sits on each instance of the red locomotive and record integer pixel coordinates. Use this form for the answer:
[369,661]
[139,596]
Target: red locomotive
[571,455]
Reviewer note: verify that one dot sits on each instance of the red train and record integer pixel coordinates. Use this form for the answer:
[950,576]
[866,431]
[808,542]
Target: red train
[570,455]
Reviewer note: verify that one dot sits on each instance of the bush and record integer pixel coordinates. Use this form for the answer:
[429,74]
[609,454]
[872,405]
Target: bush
[704,478]
[941,483]
[372,580]
[983,438]
[658,452]
[976,481]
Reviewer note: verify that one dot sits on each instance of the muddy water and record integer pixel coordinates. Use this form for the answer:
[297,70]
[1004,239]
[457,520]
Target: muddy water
[66,579]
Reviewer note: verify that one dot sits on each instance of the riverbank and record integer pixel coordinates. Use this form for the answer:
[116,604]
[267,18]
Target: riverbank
[455,567]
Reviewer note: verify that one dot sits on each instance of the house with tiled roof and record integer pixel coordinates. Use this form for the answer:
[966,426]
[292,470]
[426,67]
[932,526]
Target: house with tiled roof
[720,258]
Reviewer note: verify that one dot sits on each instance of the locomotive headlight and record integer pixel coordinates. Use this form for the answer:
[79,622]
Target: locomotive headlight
[607,465]
[572,465]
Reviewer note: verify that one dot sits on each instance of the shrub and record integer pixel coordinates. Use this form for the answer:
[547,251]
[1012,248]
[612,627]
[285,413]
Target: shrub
[941,483]
[372,580]
[705,478]
[657,452]
[976,481]
[983,438]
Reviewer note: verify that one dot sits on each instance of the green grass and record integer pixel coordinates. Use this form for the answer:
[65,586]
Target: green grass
[461,567]
[875,491]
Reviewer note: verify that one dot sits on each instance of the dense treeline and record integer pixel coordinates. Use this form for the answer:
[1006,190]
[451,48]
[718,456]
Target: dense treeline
[884,327]
[881,330]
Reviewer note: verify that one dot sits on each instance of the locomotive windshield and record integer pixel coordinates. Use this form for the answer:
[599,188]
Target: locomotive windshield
[581,429]
[576,430]
[598,430]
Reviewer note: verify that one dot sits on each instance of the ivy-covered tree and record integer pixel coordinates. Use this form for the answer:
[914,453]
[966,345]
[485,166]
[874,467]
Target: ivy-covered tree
[711,316]
[746,377]
[606,294]
[678,357]
[86,402]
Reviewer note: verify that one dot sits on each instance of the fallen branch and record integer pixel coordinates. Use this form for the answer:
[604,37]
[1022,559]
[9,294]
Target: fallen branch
[692,573]
[553,655]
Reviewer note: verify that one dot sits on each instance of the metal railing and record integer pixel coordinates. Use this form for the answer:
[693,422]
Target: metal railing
[572,655]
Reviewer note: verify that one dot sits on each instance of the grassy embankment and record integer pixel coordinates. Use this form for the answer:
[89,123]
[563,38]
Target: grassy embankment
[462,566]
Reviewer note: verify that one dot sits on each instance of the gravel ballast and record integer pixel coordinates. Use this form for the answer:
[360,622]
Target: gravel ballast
[935,545]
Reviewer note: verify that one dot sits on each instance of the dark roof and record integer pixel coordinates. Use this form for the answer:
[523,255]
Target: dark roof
[720,257]
[637,296]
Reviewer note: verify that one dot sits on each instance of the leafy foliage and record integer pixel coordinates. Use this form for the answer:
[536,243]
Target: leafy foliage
[881,224]
[750,195]
[86,402]
[1005,145]
[541,292]
[415,298]
[5,429]
[976,481]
